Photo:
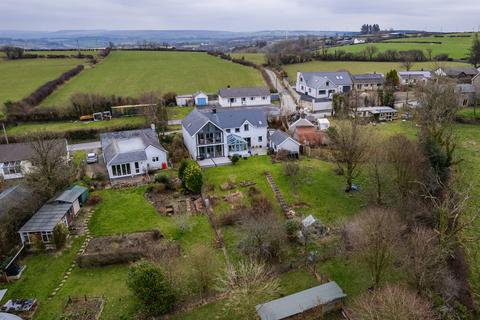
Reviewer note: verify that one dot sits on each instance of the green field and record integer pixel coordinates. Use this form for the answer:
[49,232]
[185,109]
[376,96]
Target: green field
[62,52]
[355,67]
[455,47]
[257,58]
[19,78]
[130,73]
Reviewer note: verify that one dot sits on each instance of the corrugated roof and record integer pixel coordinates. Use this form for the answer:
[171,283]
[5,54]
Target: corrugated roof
[318,79]
[243,92]
[70,195]
[128,146]
[224,118]
[46,218]
[300,302]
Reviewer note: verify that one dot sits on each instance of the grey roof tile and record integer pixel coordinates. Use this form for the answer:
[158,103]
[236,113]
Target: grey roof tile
[46,218]
[243,92]
[278,137]
[316,79]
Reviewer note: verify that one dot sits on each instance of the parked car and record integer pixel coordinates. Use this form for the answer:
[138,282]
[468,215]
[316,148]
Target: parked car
[92,157]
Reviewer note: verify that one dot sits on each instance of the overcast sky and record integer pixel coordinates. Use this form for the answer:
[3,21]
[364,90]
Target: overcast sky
[239,15]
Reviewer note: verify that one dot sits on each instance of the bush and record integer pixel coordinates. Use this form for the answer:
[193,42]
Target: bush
[192,178]
[181,169]
[60,233]
[165,180]
[235,159]
[293,226]
[159,187]
[93,200]
[151,287]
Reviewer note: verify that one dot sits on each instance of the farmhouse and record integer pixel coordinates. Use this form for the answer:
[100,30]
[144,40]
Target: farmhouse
[215,133]
[377,113]
[280,140]
[307,304]
[466,94]
[238,97]
[368,81]
[463,75]
[414,77]
[323,84]
[131,153]
[15,158]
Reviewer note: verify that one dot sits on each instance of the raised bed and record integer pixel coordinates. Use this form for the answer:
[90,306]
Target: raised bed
[86,308]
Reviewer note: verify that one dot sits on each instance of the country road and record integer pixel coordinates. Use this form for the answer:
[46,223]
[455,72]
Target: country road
[288,103]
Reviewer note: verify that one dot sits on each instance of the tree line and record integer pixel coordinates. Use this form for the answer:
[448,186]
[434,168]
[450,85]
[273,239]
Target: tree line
[370,29]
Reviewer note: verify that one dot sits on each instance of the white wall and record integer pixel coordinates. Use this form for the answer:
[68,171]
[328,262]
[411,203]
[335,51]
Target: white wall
[190,143]
[253,133]
[302,87]
[257,101]
[289,145]
[144,166]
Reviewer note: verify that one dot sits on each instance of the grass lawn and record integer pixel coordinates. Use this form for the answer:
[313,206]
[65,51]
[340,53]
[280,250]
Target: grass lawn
[130,73]
[19,78]
[357,67]
[455,47]
[257,58]
[470,112]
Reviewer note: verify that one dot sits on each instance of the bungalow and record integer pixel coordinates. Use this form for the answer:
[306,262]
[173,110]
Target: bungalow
[466,94]
[307,304]
[414,77]
[44,221]
[323,84]
[377,113]
[131,153]
[15,158]
[368,81]
[216,133]
[464,75]
[238,97]
[280,140]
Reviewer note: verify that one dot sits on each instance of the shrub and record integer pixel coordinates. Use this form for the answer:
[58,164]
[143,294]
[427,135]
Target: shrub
[38,244]
[164,179]
[93,200]
[181,169]
[169,99]
[151,287]
[293,226]
[60,233]
[193,178]
[159,187]
[235,159]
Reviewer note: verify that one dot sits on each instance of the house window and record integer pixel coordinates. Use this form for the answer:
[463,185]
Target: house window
[232,100]
[328,83]
[264,98]
[359,86]
[12,167]
[301,88]
[465,102]
[137,167]
[237,129]
[322,91]
[46,236]
[301,79]
[260,138]
[245,127]
[244,99]
[121,170]
[154,159]
[252,98]
[228,130]
[309,89]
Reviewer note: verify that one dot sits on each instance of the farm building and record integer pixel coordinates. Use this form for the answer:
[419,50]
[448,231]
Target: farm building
[249,97]
[463,75]
[184,100]
[377,113]
[280,140]
[131,153]
[307,304]
[414,77]
[368,81]
[44,221]
[466,94]
[76,195]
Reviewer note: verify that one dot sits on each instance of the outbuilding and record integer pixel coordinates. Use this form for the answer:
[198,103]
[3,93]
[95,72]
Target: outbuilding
[280,140]
[76,195]
[307,304]
[201,99]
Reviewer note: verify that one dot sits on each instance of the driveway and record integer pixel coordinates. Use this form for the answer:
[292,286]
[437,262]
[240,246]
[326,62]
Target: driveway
[84,146]
[288,105]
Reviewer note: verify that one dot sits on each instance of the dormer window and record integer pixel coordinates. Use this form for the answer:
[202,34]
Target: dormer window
[328,83]
[245,127]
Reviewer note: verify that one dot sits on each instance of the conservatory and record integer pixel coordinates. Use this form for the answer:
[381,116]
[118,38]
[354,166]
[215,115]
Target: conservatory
[237,145]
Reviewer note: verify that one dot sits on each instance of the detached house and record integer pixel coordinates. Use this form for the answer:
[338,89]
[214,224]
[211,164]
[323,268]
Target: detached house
[238,97]
[414,77]
[223,132]
[377,113]
[131,153]
[15,158]
[368,81]
[323,84]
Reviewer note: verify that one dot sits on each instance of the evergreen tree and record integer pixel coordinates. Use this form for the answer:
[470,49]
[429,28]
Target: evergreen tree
[474,54]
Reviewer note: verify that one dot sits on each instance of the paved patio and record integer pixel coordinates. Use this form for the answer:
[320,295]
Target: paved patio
[214,162]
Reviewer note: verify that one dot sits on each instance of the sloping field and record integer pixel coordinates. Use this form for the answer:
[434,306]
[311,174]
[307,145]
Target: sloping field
[257,58]
[455,47]
[358,67]
[130,73]
[18,78]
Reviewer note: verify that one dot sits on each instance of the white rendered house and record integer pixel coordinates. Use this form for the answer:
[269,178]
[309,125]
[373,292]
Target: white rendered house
[131,153]
[248,97]
[323,84]
[223,132]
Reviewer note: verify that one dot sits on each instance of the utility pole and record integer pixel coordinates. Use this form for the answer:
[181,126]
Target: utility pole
[5,132]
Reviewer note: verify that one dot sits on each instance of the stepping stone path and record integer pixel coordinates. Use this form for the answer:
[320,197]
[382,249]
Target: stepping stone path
[82,249]
[286,209]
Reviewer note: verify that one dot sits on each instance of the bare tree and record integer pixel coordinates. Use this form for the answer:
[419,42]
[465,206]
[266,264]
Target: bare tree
[429,53]
[157,114]
[204,266]
[349,143]
[391,303]
[374,235]
[378,169]
[407,62]
[51,169]
[247,284]
[370,51]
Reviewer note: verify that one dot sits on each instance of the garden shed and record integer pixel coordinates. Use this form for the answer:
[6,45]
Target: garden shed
[307,304]
[76,195]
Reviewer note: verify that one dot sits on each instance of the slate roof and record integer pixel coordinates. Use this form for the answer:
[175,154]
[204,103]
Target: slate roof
[301,123]
[224,118]
[46,218]
[368,78]
[128,146]
[316,79]
[243,92]
[454,72]
[279,136]
[415,74]
[70,195]
[23,151]
[376,110]
[14,197]
[465,88]
[300,302]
